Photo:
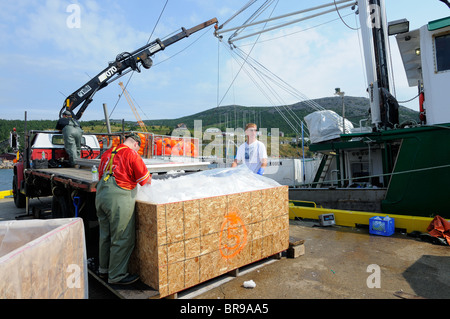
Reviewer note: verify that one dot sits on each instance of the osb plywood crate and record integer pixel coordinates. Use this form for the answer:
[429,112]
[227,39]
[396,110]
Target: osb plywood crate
[182,244]
[43,259]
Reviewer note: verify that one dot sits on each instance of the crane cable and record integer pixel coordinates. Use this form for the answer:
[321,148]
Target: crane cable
[132,73]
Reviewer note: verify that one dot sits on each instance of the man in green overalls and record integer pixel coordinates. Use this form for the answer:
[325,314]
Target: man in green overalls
[72,132]
[121,169]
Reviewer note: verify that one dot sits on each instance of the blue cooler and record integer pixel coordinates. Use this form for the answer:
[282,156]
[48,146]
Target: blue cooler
[384,226]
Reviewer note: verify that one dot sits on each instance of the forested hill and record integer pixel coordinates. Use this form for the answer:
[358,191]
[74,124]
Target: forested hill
[231,116]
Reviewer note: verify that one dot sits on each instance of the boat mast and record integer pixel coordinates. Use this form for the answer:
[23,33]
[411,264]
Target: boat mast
[383,106]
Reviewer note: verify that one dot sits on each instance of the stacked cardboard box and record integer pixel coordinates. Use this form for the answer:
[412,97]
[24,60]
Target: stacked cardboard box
[182,244]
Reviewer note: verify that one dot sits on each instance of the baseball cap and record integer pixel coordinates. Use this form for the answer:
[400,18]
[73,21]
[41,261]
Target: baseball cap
[135,137]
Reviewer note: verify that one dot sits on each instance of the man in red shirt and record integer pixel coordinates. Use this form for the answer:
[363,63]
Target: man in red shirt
[121,169]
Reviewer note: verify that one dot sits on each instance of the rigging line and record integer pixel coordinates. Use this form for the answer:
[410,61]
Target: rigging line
[387,174]
[232,82]
[289,110]
[290,22]
[138,105]
[157,21]
[287,87]
[255,15]
[282,102]
[337,10]
[243,64]
[263,92]
[270,100]
[361,55]
[284,16]
[303,30]
[218,71]
[132,73]
[245,7]
[409,99]
[184,49]
[294,91]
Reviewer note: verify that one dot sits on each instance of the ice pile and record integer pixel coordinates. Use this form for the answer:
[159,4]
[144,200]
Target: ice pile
[214,182]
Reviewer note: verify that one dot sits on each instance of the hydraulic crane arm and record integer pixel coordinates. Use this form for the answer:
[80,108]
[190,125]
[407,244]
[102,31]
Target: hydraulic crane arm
[124,63]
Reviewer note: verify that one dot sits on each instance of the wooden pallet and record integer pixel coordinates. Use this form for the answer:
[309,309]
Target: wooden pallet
[139,290]
[218,281]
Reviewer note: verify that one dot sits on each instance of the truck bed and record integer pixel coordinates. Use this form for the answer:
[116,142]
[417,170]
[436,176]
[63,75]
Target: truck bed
[81,178]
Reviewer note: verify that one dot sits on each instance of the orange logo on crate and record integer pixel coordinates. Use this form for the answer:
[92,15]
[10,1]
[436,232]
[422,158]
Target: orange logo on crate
[236,236]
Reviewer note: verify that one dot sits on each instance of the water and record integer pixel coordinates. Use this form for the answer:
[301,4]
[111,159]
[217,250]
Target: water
[6,177]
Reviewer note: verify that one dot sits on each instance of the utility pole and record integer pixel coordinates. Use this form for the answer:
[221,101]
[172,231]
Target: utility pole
[341,94]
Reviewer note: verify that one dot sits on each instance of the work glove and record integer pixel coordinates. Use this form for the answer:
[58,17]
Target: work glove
[260,171]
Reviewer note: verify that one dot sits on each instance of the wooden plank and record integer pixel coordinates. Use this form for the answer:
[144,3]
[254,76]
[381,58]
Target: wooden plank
[137,290]
[405,295]
[294,241]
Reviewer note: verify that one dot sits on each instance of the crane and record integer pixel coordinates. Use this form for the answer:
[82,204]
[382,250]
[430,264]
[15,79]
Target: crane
[133,108]
[124,63]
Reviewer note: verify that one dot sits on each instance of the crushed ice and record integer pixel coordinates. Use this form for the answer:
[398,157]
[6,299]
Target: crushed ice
[214,182]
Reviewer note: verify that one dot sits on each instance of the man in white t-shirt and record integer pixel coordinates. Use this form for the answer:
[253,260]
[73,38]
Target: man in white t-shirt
[253,152]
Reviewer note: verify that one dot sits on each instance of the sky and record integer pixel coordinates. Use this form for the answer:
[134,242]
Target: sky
[51,48]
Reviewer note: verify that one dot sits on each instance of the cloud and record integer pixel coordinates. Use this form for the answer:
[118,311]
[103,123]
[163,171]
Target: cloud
[310,62]
[101,35]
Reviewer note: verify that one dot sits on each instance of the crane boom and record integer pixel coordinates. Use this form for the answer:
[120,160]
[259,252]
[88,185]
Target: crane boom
[124,63]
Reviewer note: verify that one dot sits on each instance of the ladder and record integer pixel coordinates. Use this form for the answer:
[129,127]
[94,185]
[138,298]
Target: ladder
[323,169]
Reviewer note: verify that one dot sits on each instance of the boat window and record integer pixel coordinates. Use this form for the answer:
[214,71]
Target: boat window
[59,140]
[442,52]
[359,171]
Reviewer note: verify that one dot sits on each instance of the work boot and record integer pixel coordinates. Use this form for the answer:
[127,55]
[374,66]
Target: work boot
[103,276]
[129,279]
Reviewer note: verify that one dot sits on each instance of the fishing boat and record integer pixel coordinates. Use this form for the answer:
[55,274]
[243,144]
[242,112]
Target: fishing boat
[391,167]
[404,167]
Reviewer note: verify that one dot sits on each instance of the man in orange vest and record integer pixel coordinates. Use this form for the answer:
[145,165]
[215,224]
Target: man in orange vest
[121,169]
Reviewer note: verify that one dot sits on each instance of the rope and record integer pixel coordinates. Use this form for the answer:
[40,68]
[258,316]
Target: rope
[337,10]
[383,175]
[409,99]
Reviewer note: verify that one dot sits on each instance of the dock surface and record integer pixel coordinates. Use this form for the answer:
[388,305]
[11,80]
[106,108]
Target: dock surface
[338,263]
